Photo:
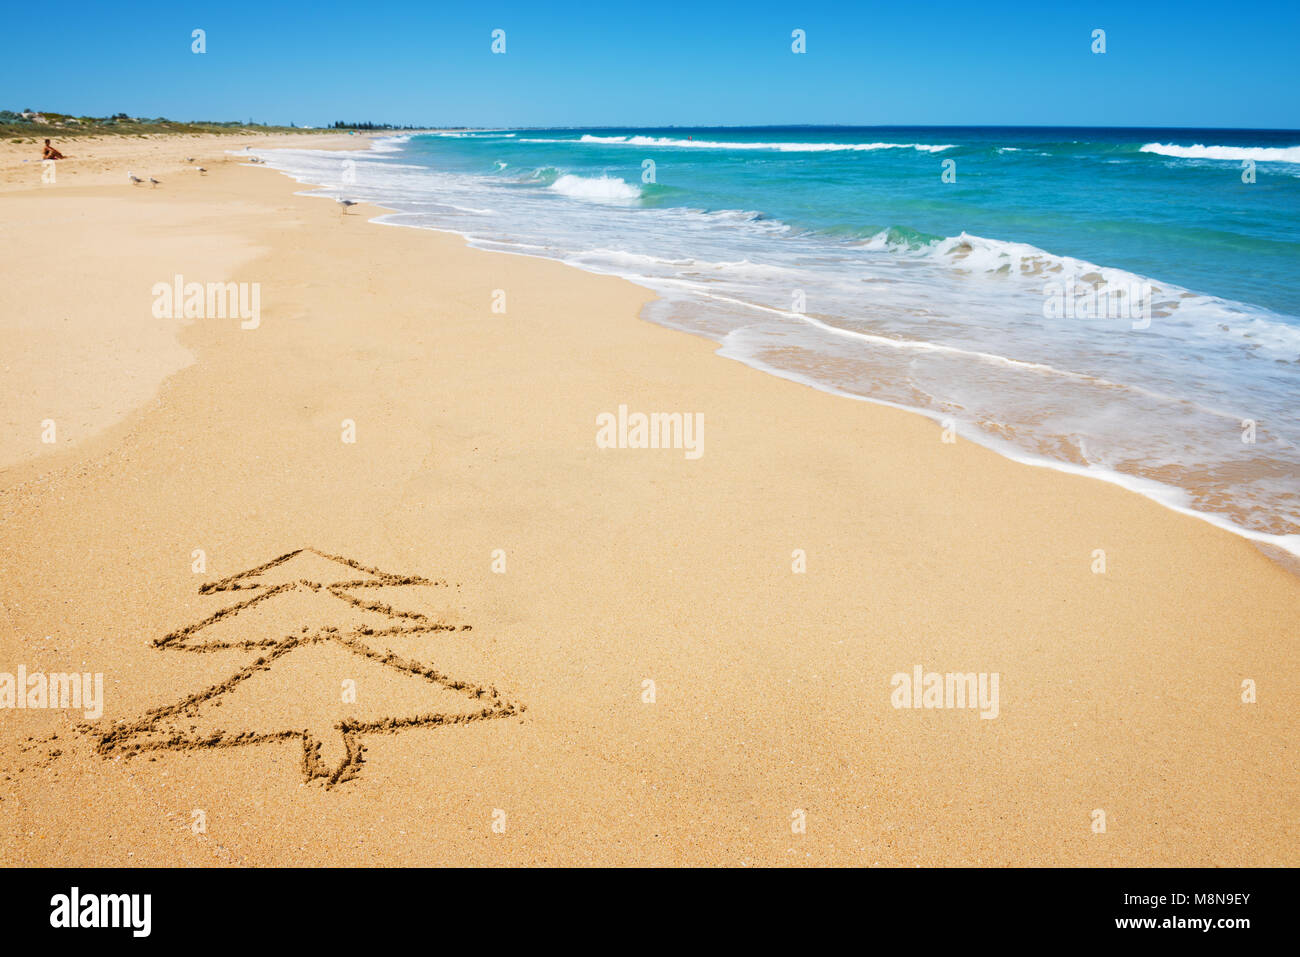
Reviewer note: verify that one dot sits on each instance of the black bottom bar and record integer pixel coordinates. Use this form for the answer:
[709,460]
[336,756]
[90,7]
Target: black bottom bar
[1178,906]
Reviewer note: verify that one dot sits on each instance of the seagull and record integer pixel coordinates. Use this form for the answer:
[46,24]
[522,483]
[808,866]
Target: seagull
[200,169]
[346,203]
[135,180]
[153,182]
[189,159]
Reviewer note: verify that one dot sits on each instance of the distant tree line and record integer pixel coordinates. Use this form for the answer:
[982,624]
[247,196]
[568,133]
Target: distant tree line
[27,123]
[340,125]
[33,122]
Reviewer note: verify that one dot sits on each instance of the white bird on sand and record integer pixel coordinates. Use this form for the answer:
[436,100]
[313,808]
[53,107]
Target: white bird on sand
[154,182]
[189,159]
[346,204]
[135,180]
[200,169]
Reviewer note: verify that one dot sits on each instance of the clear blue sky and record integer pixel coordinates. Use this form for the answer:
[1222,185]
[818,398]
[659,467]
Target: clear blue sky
[662,62]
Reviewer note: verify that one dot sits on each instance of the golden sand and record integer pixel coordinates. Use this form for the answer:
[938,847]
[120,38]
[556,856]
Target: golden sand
[644,677]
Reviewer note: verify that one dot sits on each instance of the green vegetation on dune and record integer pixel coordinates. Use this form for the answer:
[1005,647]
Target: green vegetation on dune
[37,125]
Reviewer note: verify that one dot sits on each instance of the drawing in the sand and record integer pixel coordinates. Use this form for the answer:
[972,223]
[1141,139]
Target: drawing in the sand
[340,659]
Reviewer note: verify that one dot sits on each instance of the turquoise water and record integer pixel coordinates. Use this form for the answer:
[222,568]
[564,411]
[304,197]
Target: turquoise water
[1119,302]
[1091,194]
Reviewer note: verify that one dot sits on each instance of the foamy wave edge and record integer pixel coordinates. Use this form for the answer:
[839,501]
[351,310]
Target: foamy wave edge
[598,189]
[1261,154]
[665,141]
[1168,496]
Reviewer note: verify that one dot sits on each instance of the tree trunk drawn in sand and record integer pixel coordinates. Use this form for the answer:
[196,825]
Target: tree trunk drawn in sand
[338,663]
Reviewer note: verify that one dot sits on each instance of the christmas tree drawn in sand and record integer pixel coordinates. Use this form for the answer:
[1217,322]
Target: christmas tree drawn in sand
[340,658]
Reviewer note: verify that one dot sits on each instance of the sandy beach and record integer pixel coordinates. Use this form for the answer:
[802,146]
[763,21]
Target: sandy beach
[671,658]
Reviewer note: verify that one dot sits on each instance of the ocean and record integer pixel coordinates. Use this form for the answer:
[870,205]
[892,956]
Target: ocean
[1121,303]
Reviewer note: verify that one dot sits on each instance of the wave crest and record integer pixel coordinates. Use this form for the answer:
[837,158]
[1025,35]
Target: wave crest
[667,141]
[1261,154]
[599,189]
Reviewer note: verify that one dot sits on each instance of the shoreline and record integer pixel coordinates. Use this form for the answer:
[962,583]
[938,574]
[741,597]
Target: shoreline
[1282,549]
[475,434]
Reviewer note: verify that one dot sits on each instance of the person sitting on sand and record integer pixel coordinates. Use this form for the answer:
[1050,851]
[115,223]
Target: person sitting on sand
[50,153]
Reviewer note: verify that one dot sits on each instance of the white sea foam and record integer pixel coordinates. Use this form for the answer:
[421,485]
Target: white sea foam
[389,144]
[597,189]
[1260,154]
[678,142]
[623,258]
